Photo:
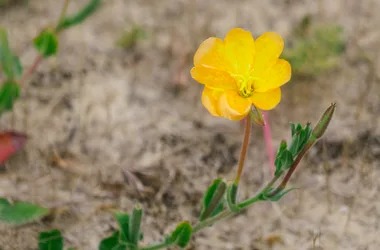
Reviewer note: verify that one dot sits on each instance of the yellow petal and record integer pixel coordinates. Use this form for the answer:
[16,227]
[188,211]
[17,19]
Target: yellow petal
[240,50]
[266,100]
[213,78]
[268,48]
[210,100]
[276,76]
[232,106]
[211,54]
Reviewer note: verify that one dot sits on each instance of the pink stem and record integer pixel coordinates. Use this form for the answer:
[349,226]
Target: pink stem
[268,141]
[31,70]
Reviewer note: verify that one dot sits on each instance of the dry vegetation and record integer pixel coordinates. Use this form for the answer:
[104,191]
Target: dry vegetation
[110,127]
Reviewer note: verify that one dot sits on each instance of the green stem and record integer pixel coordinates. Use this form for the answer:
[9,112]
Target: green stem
[210,221]
[63,12]
[256,198]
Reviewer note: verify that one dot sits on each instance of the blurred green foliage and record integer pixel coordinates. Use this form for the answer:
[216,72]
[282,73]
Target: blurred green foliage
[129,38]
[51,240]
[9,62]
[314,48]
[80,16]
[9,93]
[19,213]
[46,43]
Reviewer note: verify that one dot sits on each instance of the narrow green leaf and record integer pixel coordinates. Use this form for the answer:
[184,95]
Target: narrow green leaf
[10,63]
[213,199]
[9,92]
[80,16]
[231,197]
[284,160]
[278,161]
[299,139]
[112,243]
[135,224]
[20,213]
[298,128]
[308,130]
[293,128]
[296,143]
[46,43]
[16,66]
[287,159]
[123,221]
[182,234]
[51,240]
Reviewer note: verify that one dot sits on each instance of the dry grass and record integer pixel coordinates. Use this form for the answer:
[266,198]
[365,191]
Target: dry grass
[110,128]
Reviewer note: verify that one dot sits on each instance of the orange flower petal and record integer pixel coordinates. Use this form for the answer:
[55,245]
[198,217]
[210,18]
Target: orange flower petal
[211,54]
[213,78]
[240,50]
[232,106]
[210,100]
[268,48]
[276,76]
[266,100]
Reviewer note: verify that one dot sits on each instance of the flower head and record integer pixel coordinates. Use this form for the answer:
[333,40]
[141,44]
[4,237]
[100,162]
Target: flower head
[240,72]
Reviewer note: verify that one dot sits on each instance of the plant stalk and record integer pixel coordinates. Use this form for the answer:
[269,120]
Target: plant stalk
[243,152]
[63,11]
[31,69]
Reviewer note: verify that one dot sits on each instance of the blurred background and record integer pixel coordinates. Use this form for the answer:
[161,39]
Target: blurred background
[116,119]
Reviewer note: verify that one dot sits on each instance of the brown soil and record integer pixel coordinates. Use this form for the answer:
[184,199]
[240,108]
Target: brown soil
[128,126]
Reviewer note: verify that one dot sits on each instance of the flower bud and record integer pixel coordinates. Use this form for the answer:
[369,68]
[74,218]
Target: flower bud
[324,121]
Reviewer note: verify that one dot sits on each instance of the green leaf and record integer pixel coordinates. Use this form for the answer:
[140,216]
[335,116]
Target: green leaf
[213,199]
[135,224]
[9,92]
[123,221]
[299,139]
[80,16]
[10,63]
[51,240]
[46,43]
[293,128]
[112,243]
[181,235]
[284,159]
[232,197]
[20,213]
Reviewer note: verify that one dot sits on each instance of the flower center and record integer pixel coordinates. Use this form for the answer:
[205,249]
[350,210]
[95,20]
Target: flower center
[245,85]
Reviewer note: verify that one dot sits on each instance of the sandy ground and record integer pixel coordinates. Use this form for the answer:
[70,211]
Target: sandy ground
[129,127]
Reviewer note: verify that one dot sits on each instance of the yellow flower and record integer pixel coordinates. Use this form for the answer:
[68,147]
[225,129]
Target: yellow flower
[240,72]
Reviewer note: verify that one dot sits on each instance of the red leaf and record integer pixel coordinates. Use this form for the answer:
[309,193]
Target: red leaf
[10,143]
